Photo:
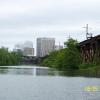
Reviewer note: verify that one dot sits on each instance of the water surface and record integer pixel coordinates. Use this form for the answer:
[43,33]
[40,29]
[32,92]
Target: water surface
[34,83]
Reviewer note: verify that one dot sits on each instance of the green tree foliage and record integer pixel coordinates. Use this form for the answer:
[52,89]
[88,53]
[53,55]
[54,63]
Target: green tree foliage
[72,58]
[55,59]
[51,59]
[68,58]
[9,58]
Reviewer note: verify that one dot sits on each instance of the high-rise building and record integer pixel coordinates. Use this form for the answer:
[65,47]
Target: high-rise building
[28,51]
[18,48]
[45,46]
[26,48]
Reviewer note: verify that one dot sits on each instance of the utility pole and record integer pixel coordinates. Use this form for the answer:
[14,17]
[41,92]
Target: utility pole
[88,35]
[87,31]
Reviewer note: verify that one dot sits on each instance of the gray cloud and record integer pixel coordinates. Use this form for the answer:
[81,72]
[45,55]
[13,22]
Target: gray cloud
[28,19]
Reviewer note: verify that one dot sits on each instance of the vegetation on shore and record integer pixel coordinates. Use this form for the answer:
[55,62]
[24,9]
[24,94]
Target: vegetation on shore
[9,58]
[68,58]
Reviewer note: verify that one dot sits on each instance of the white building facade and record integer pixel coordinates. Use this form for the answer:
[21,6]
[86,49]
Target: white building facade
[45,46]
[28,49]
[25,48]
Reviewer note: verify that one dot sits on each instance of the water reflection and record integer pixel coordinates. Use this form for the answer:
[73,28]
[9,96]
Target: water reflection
[85,73]
[3,70]
[36,71]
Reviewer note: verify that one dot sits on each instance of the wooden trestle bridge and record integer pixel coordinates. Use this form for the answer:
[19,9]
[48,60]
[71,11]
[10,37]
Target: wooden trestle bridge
[90,49]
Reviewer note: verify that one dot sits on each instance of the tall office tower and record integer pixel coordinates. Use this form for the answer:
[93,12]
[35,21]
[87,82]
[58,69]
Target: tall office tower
[18,48]
[25,48]
[28,49]
[45,46]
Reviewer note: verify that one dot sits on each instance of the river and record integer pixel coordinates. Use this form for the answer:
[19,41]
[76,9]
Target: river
[40,83]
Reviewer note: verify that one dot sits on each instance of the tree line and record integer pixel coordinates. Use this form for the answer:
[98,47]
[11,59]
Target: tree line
[9,58]
[67,58]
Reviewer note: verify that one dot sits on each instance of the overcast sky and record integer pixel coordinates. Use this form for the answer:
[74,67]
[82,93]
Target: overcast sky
[22,20]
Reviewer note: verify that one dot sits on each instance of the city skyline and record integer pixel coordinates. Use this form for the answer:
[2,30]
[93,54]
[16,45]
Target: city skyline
[22,20]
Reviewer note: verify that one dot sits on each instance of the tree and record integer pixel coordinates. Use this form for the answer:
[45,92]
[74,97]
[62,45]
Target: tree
[9,58]
[68,58]
[72,57]
[51,59]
